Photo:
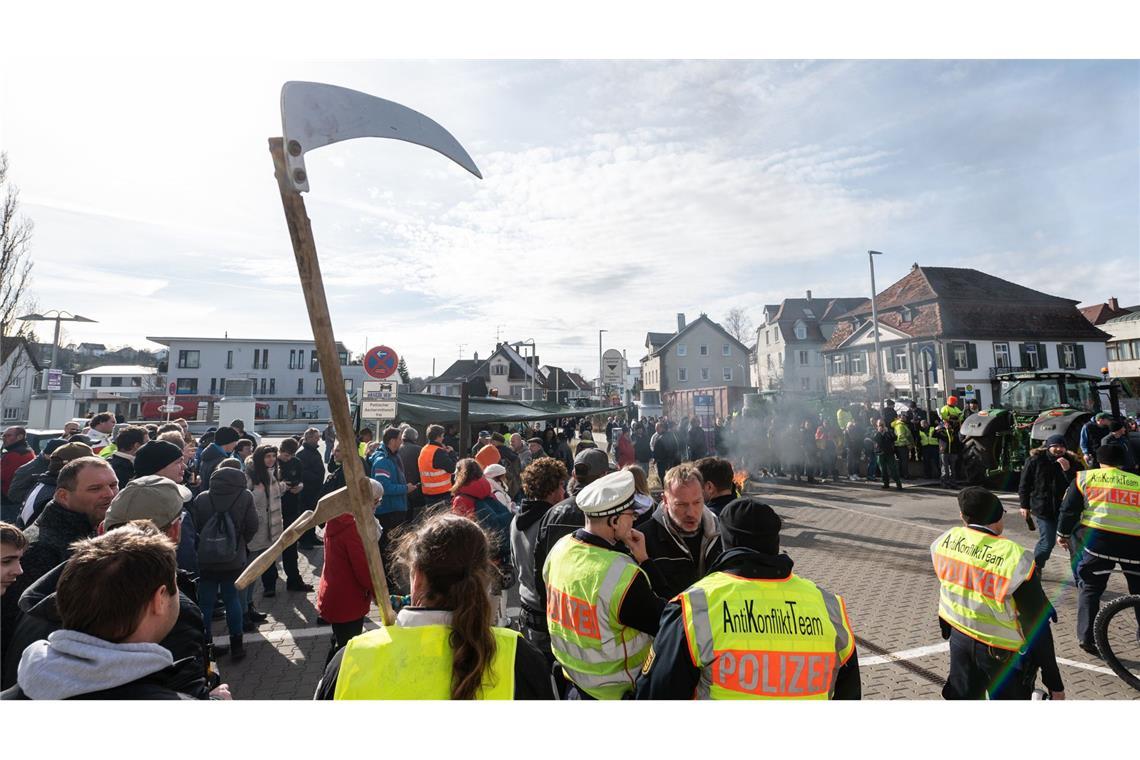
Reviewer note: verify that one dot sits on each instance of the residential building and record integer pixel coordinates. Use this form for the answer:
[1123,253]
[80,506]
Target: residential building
[506,374]
[561,384]
[699,360]
[1099,313]
[116,388]
[285,374]
[950,331]
[18,371]
[1123,351]
[789,343]
[92,349]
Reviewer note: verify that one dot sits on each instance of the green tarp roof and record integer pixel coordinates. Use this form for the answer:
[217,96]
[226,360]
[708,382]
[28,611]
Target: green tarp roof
[425,409]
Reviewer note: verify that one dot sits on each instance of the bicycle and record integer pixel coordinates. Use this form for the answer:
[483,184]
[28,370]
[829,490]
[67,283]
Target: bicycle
[1124,659]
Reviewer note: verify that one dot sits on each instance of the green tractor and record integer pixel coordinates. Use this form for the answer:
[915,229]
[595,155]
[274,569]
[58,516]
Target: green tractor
[1032,406]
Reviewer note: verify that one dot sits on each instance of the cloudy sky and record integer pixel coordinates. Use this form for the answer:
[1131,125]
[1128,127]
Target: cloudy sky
[615,193]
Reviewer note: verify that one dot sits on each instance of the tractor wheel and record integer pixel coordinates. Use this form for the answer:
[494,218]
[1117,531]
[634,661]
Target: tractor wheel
[977,457]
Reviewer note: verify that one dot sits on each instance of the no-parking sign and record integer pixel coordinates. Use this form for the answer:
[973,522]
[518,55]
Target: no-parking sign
[381,362]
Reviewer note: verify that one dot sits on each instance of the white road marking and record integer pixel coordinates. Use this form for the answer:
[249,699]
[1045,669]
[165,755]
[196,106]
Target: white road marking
[287,636]
[914,654]
[819,503]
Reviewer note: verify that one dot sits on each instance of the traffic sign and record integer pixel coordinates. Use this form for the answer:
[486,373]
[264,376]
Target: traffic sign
[378,400]
[172,388]
[612,367]
[380,362]
[55,379]
[170,409]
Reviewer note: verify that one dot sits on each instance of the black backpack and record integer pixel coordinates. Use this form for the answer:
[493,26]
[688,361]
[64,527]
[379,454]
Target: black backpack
[218,539]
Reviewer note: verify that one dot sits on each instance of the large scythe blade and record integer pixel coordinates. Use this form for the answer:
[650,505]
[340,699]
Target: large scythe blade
[315,114]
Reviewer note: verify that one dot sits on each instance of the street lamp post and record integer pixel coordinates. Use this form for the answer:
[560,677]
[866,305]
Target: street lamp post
[60,316]
[601,386]
[875,329]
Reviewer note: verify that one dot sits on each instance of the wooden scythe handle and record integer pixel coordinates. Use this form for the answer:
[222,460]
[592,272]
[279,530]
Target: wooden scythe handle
[305,252]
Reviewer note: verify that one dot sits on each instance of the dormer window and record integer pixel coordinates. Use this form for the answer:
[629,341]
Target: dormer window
[809,313]
[906,313]
[800,331]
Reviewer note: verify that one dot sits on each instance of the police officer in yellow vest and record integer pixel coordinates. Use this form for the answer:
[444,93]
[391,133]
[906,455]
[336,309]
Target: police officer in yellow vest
[443,646]
[1100,515]
[991,607]
[601,612]
[751,629]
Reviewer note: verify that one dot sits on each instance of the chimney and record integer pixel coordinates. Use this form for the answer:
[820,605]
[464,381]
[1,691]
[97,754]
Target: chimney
[1112,304]
[680,321]
[809,295]
[476,356]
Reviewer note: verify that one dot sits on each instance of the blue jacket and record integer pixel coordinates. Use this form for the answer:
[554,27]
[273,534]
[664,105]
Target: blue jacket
[388,472]
[1091,433]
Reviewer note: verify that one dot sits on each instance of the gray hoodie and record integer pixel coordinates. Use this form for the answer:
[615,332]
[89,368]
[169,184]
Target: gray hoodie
[69,664]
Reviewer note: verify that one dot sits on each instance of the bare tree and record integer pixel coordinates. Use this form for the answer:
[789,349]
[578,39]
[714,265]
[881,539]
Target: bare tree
[738,325]
[15,271]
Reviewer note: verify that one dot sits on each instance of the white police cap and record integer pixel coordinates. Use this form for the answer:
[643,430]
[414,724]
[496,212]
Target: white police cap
[608,495]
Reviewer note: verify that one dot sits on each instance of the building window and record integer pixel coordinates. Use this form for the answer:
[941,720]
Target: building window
[213,385]
[300,386]
[96,382]
[348,385]
[899,359]
[959,357]
[256,357]
[15,381]
[767,341]
[809,313]
[1031,359]
[320,386]
[188,359]
[272,385]
[704,350]
[292,358]
[805,383]
[835,365]
[265,358]
[1001,355]
[776,334]
[704,373]
[314,363]
[222,386]
[498,369]
[780,356]
[1113,354]
[858,363]
[728,374]
[682,375]
[800,331]
[768,357]
[726,350]
[803,355]
[229,359]
[186,385]
[343,356]
[136,382]
[906,314]
[11,412]
[682,349]
[116,382]
[262,389]
[1068,356]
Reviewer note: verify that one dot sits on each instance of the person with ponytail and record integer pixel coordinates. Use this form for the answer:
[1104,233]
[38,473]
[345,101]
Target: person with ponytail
[442,646]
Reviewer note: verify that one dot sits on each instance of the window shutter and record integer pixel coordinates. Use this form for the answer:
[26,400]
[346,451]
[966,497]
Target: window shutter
[1080,351]
[1023,354]
[1061,355]
[1042,356]
[971,356]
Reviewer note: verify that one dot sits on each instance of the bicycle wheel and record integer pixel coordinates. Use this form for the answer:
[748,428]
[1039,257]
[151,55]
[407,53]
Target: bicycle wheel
[1117,634]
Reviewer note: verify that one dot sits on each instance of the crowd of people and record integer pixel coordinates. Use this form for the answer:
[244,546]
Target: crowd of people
[136,535]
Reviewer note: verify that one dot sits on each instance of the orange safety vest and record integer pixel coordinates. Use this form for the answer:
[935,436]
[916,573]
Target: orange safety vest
[433,482]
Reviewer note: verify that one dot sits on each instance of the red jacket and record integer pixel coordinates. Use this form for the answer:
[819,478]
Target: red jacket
[463,503]
[625,454]
[13,459]
[345,590]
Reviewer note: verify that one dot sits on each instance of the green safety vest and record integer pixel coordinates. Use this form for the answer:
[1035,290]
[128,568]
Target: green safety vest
[108,451]
[394,662]
[765,639]
[978,573]
[1112,500]
[926,437]
[948,411]
[585,586]
[903,438]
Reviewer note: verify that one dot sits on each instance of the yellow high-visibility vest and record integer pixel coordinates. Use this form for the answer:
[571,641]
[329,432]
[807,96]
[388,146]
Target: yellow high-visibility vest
[1112,500]
[414,662]
[585,586]
[978,573]
[765,639]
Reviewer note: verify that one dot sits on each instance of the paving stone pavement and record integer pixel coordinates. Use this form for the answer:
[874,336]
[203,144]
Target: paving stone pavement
[869,545]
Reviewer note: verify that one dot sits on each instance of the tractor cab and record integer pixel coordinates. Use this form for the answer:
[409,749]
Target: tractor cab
[1031,407]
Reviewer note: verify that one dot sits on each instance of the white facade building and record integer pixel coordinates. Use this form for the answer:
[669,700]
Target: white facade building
[18,372]
[116,388]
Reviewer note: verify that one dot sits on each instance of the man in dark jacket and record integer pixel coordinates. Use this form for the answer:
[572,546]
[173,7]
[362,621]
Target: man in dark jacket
[313,477]
[25,477]
[752,553]
[125,580]
[43,489]
[225,441]
[884,440]
[127,443]
[543,487]
[1118,436]
[1044,480]
[84,490]
[719,487]
[664,446]
[409,455]
[682,539]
